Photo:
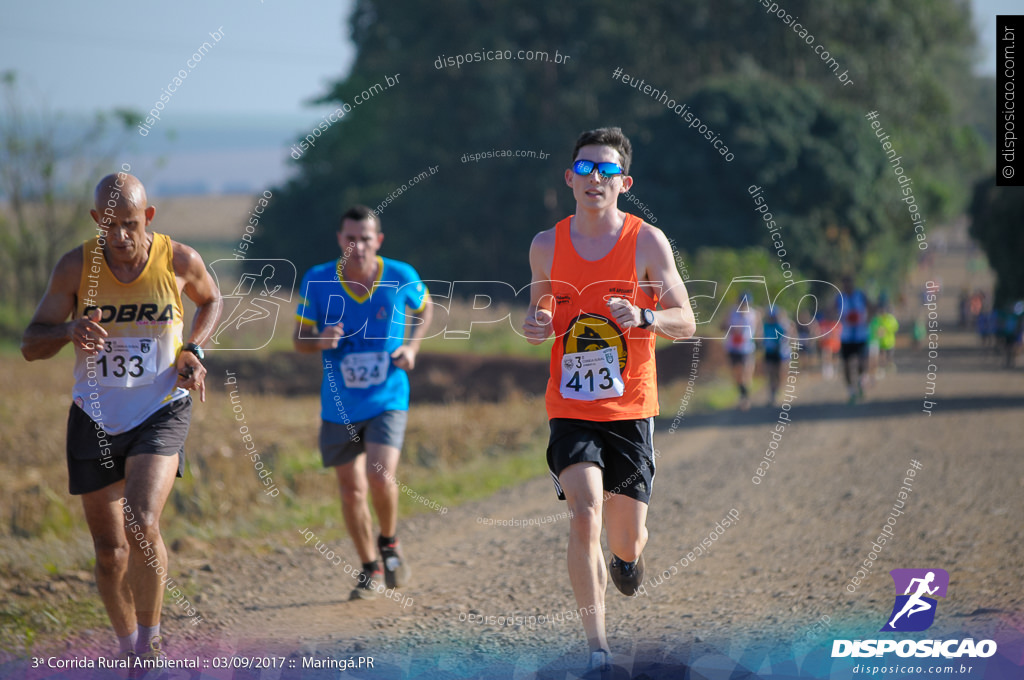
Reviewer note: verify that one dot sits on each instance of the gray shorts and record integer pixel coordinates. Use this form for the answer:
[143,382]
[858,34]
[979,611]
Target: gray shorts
[341,444]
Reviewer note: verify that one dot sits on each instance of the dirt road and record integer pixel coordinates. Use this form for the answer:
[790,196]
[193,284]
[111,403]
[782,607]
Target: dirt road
[777,582]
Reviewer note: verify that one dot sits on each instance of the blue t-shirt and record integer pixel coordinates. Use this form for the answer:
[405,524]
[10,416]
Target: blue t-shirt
[360,381]
[775,341]
[854,316]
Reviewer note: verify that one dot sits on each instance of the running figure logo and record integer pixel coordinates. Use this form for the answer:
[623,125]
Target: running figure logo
[263,287]
[914,610]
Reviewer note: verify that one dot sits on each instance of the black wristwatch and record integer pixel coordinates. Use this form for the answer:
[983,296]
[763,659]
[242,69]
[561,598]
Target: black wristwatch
[646,318]
[194,349]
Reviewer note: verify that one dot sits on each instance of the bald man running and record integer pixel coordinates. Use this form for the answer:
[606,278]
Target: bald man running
[117,299]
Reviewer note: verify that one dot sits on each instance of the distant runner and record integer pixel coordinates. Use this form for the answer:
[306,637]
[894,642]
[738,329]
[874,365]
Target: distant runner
[777,333]
[829,343]
[852,308]
[886,325]
[739,329]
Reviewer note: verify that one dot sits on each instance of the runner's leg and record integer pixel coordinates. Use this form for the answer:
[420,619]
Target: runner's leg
[749,362]
[582,485]
[148,482]
[353,484]
[381,465]
[105,517]
[862,367]
[626,521]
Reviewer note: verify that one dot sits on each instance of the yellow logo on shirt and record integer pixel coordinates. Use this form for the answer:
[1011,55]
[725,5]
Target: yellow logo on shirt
[593,332]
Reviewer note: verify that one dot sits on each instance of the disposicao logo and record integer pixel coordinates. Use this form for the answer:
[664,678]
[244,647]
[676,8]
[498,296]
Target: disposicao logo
[914,611]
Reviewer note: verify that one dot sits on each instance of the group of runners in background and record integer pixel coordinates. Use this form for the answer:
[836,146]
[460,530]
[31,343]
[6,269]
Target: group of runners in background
[1000,328]
[861,333]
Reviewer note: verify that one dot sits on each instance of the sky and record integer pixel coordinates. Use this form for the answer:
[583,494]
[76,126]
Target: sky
[985,12]
[274,55]
[81,57]
[227,125]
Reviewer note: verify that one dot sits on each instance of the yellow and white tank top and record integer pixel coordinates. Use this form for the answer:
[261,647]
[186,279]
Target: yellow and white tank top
[134,374]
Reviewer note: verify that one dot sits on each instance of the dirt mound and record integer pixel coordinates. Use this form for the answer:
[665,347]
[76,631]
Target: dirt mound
[437,377]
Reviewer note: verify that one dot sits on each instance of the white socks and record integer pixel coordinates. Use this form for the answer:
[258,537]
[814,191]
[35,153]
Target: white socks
[127,643]
[146,635]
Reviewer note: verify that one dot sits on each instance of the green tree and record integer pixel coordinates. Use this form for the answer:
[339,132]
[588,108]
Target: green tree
[996,215]
[814,164]
[800,129]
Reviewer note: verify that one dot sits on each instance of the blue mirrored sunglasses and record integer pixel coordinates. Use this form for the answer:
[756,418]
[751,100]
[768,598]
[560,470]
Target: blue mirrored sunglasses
[584,168]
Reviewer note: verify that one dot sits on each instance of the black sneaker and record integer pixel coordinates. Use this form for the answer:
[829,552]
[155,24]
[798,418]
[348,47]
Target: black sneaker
[396,571]
[627,576]
[366,585]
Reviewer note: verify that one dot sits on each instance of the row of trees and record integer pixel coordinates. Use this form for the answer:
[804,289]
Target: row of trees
[794,130]
[793,127]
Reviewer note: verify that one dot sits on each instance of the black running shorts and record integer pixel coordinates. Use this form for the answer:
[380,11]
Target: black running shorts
[739,358]
[96,458]
[853,349]
[624,450]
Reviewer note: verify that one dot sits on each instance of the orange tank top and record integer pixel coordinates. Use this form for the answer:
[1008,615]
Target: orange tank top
[599,372]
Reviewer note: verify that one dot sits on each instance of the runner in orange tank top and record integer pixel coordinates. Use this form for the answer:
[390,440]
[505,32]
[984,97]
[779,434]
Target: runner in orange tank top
[598,278]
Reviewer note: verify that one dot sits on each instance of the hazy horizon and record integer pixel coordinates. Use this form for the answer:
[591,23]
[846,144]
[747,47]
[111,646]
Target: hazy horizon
[231,122]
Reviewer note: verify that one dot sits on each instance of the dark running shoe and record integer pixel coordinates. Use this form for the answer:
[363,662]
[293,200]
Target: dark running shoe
[366,585]
[627,576]
[396,570]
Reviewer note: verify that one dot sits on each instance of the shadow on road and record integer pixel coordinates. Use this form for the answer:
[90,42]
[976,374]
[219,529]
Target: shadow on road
[809,412]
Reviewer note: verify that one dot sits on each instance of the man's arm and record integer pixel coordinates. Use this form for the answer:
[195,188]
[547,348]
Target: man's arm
[537,326]
[307,341]
[50,328]
[201,289]
[675,319]
[405,356]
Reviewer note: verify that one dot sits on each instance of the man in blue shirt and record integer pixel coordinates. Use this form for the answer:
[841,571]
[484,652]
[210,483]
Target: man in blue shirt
[852,308]
[777,332]
[366,315]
